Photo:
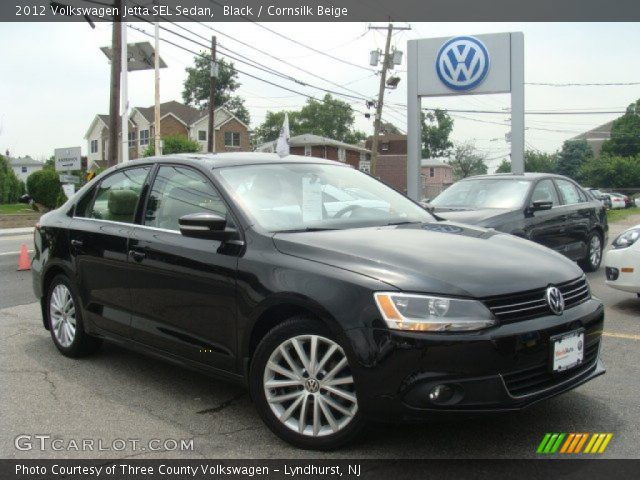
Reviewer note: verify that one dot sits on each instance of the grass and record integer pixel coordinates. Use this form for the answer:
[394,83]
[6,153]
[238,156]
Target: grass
[15,209]
[617,215]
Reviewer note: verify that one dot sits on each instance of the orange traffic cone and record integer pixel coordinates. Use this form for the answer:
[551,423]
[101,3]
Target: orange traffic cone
[23,260]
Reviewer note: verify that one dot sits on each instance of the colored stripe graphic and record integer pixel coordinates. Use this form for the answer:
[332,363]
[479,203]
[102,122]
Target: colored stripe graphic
[572,443]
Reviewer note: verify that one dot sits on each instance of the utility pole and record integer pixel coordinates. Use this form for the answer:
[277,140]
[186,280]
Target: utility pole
[212,95]
[114,98]
[124,73]
[156,120]
[387,62]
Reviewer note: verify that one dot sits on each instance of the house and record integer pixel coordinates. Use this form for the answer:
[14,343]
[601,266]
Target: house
[436,176]
[24,166]
[391,166]
[596,137]
[311,145]
[231,134]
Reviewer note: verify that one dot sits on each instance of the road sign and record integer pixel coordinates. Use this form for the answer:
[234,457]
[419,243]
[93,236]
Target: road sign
[69,179]
[68,158]
[69,190]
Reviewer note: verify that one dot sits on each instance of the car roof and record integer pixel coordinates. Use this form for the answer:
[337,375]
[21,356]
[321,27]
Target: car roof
[232,159]
[513,176]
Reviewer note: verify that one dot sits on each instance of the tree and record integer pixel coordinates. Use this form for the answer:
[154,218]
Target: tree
[45,189]
[466,161]
[197,87]
[534,161]
[573,155]
[436,128]
[174,144]
[330,118]
[625,134]
[10,185]
[611,172]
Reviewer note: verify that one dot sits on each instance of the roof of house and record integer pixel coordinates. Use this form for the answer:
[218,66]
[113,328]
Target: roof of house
[311,139]
[26,161]
[434,162]
[596,136]
[184,112]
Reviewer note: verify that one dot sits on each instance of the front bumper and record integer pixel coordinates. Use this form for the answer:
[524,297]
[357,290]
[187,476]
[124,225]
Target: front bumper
[624,258]
[504,368]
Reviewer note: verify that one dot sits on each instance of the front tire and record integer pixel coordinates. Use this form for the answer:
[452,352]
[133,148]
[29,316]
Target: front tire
[301,384]
[64,317]
[591,262]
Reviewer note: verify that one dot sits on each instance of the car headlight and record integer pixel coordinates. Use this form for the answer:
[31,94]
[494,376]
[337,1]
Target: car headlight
[403,311]
[627,239]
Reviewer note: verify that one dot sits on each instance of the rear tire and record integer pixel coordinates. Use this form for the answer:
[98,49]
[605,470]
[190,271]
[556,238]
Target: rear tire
[591,262]
[301,384]
[64,317]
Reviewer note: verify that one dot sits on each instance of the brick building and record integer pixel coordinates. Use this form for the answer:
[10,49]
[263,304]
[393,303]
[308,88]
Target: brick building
[322,147]
[231,134]
[436,176]
[391,166]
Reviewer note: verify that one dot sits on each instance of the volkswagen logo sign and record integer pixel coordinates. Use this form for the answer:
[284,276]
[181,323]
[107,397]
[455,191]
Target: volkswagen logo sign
[555,300]
[462,63]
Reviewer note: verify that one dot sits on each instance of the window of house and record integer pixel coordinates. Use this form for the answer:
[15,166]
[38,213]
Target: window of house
[342,154]
[144,137]
[116,198]
[179,191]
[24,169]
[231,139]
[363,156]
[432,172]
[202,135]
[132,139]
[94,146]
[384,146]
[365,166]
[307,150]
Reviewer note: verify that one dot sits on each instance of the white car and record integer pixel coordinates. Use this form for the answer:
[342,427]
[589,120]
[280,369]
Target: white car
[617,202]
[622,262]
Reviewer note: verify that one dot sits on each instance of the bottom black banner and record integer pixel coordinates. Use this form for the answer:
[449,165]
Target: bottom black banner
[134,469]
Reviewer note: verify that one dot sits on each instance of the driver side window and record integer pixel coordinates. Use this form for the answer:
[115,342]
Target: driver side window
[179,191]
[545,191]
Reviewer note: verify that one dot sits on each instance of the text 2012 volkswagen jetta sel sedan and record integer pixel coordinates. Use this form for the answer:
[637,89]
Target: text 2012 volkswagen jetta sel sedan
[332,307]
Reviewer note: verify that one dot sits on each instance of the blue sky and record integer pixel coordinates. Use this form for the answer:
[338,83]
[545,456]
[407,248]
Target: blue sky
[54,78]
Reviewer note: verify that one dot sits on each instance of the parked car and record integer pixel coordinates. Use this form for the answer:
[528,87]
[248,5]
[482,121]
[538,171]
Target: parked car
[329,319]
[549,209]
[603,197]
[622,262]
[621,199]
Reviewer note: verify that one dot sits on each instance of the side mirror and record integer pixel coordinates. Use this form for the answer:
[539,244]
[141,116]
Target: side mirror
[540,205]
[206,225]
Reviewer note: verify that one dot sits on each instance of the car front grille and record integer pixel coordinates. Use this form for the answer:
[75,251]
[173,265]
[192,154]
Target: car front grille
[532,303]
[538,378]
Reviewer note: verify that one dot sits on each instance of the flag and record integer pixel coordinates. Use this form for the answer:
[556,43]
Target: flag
[282,147]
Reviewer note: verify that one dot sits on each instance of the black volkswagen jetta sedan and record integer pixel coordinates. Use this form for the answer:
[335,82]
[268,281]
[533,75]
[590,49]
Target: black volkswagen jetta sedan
[549,209]
[332,297]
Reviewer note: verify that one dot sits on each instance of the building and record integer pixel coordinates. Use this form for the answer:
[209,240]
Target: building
[436,176]
[597,136]
[391,166]
[322,147]
[231,134]
[24,166]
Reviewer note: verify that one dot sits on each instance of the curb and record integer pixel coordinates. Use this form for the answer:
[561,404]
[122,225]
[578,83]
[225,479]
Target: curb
[6,232]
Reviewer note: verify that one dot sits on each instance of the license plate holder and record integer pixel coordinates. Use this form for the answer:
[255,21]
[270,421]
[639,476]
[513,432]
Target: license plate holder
[567,350]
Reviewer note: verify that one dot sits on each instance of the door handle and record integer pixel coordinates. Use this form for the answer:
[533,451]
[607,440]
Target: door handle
[77,243]
[137,255]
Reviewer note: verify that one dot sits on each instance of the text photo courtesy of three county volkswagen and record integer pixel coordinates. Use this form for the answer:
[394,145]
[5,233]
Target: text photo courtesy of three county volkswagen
[301,235]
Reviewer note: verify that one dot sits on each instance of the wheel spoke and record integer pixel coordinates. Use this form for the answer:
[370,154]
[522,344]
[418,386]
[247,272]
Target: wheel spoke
[338,381]
[335,370]
[313,354]
[301,354]
[286,396]
[341,393]
[327,356]
[316,415]
[336,406]
[327,414]
[295,368]
[282,371]
[289,411]
[282,383]
[302,420]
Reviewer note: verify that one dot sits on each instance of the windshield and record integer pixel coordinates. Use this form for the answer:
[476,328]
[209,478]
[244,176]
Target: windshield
[484,193]
[299,196]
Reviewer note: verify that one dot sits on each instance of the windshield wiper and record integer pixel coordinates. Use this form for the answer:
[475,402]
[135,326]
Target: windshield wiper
[307,229]
[404,222]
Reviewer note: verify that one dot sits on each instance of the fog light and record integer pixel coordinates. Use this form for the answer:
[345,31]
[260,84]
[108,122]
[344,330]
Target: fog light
[612,273]
[441,394]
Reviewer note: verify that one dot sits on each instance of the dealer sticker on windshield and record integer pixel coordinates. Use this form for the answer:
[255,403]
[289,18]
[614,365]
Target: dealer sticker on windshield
[567,350]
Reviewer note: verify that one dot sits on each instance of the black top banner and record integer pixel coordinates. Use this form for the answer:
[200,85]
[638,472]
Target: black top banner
[318,10]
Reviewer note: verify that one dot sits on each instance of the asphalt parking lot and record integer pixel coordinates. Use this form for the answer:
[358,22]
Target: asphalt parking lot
[117,394]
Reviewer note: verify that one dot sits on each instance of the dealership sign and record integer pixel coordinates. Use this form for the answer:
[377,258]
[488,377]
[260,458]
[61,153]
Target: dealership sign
[464,65]
[68,158]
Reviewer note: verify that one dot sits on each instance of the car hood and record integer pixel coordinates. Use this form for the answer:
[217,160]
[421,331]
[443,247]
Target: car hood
[442,257]
[473,217]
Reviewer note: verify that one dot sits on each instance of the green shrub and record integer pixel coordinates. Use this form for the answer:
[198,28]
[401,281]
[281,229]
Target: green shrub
[10,185]
[174,144]
[44,186]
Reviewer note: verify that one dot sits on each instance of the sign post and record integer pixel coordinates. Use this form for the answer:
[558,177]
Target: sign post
[464,65]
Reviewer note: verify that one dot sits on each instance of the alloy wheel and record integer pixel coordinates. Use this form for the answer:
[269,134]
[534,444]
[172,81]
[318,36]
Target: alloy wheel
[595,251]
[62,313]
[309,387]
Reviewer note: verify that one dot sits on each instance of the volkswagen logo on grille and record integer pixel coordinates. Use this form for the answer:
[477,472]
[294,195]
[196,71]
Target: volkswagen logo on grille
[462,63]
[312,385]
[555,300]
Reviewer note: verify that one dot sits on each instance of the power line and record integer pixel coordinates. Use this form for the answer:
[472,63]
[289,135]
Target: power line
[595,84]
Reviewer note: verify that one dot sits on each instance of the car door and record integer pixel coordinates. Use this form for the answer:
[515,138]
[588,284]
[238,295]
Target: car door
[99,235]
[578,213]
[545,226]
[183,288]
